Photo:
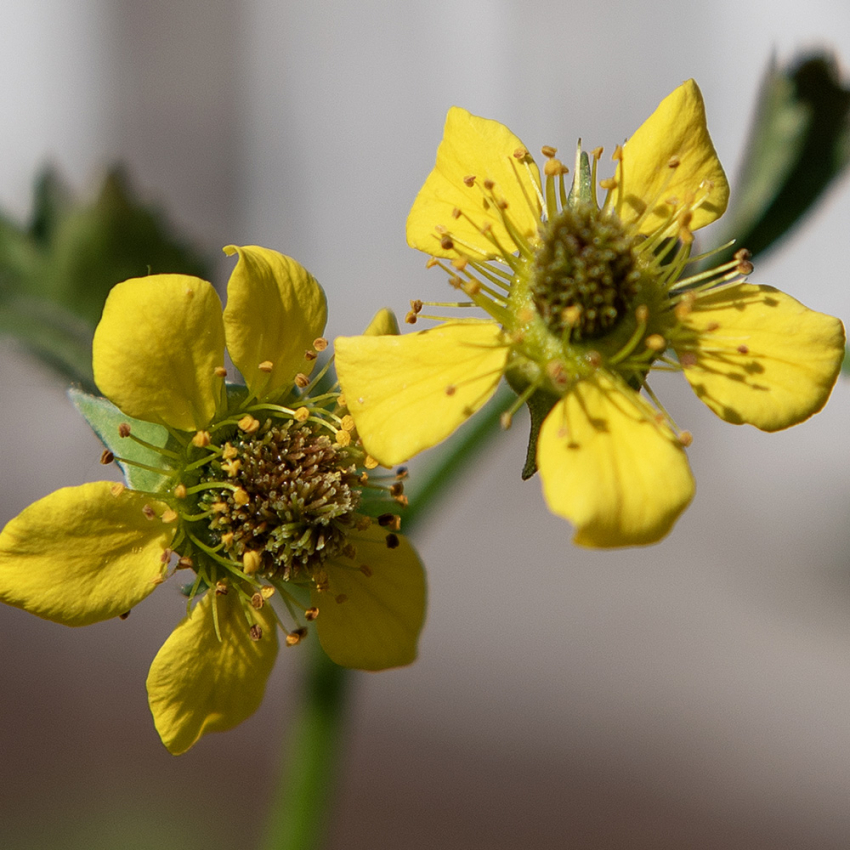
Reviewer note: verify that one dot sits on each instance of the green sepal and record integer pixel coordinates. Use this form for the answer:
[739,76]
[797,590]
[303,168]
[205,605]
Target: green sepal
[845,363]
[104,418]
[582,192]
[539,406]
[798,144]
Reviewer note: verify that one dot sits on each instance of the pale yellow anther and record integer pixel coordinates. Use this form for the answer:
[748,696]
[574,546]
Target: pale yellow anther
[655,342]
[682,310]
[460,263]
[370,463]
[506,420]
[266,366]
[185,563]
[608,183]
[341,401]
[472,287]
[441,229]
[686,438]
[571,314]
[432,261]
[219,507]
[553,167]
[617,155]
[232,467]
[169,515]
[548,151]
[240,497]
[486,228]
[251,561]
[674,162]
[469,180]
[227,539]
[347,422]
[455,282]
[257,601]
[180,491]
[301,381]
[343,438]
[520,153]
[311,613]
[267,590]
[642,314]
[201,439]
[221,588]
[249,424]
[596,153]
[302,414]
[229,451]
[220,372]
[117,489]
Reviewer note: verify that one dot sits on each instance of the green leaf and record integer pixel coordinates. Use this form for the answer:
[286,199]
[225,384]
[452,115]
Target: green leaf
[799,143]
[104,418]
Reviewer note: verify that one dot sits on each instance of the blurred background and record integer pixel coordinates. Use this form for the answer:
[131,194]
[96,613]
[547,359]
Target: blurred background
[693,694]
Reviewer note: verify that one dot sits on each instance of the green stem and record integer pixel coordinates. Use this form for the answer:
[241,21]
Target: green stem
[301,808]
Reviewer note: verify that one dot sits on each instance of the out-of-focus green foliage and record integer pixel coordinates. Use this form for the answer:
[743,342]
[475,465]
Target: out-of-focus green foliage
[799,144]
[56,272]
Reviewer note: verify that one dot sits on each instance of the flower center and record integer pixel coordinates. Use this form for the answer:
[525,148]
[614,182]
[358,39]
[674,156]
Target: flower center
[585,273]
[293,502]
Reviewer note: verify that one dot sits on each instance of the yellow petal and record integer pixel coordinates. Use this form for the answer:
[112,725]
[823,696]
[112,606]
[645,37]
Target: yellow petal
[275,309]
[483,149]
[82,554]
[759,356]
[609,468]
[157,347]
[676,131]
[384,323]
[407,393]
[198,683]
[370,619]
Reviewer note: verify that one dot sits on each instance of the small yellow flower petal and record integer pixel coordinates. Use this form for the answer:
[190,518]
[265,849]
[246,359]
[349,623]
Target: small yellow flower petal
[407,393]
[761,357]
[275,309]
[482,149]
[377,621]
[157,347]
[384,323]
[609,468]
[198,683]
[675,133]
[83,554]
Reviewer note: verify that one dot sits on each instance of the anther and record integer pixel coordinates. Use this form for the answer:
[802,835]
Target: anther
[431,262]
[451,389]
[617,155]
[363,522]
[266,366]
[169,515]
[596,153]
[106,457]
[571,314]
[392,541]
[221,588]
[456,213]
[251,561]
[366,570]
[390,521]
[401,473]
[489,185]
[310,355]
[201,439]
[673,162]
[685,438]
[257,601]
[149,512]
[594,358]
[520,153]
[302,414]
[340,598]
[301,381]
[446,243]
[506,420]
[227,539]
[117,489]
[249,424]
[642,314]
[370,463]
[608,183]
[473,287]
[180,491]
[343,438]
[396,489]
[240,497]
[469,180]
[232,467]
[294,638]
[460,263]
[320,343]
[712,326]
[255,632]
[229,451]
[220,372]
[267,591]
[185,563]
[655,342]
[548,151]
[688,359]
[347,422]
[743,349]
[311,613]
[553,167]
[124,429]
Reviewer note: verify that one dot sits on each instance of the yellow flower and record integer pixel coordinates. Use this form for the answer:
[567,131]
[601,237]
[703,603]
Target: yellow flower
[257,490]
[582,301]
